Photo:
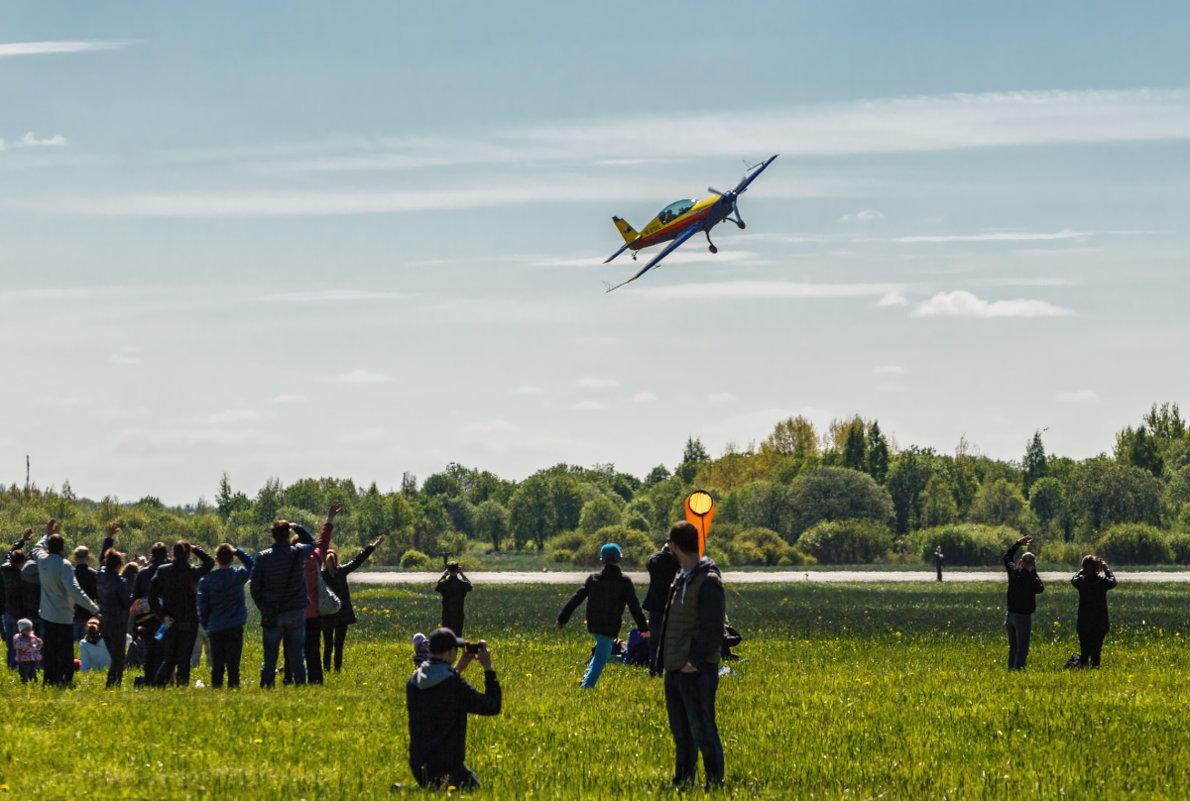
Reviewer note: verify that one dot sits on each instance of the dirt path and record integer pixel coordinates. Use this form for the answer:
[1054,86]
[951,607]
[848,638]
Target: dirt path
[745,577]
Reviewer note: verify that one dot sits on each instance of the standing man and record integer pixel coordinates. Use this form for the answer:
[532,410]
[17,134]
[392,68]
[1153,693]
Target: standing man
[60,591]
[146,621]
[14,608]
[438,700]
[86,576]
[1024,585]
[278,587]
[607,593]
[662,567]
[453,586]
[691,639]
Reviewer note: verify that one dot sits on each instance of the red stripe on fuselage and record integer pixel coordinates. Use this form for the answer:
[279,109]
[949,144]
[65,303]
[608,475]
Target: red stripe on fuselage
[671,231]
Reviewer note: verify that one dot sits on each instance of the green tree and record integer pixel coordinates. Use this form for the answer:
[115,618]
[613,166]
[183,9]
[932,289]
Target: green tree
[907,478]
[1034,464]
[1000,504]
[492,522]
[878,453]
[656,476]
[531,514]
[693,455]
[1047,499]
[567,498]
[598,513]
[938,506]
[831,493]
[855,456]
[224,496]
[268,501]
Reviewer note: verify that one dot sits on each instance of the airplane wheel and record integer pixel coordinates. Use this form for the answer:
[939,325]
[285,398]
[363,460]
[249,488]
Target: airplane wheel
[741,225]
[713,249]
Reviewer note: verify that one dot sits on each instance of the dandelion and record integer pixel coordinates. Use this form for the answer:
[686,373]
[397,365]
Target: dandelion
[338,709]
[258,741]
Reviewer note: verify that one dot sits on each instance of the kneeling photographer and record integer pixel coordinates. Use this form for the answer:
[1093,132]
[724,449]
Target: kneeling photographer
[439,700]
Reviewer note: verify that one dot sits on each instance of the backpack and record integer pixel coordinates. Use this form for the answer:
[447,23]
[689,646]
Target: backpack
[1074,661]
[328,602]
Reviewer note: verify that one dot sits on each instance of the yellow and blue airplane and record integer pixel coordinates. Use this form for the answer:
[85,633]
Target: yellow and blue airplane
[681,220]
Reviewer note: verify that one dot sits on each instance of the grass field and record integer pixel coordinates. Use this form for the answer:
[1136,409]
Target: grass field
[857,691]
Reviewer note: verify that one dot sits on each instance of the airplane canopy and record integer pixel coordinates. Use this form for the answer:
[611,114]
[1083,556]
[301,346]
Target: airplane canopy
[674,210]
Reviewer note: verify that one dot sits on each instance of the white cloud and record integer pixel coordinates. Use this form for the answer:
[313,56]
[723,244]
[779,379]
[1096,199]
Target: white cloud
[1079,396]
[644,397]
[867,215]
[893,299]
[358,377]
[763,290]
[329,296]
[29,140]
[889,369]
[965,304]
[588,382]
[999,236]
[123,359]
[43,48]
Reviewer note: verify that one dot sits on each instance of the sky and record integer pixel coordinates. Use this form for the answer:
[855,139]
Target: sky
[295,239]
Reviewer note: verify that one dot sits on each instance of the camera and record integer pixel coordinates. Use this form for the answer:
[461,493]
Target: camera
[474,647]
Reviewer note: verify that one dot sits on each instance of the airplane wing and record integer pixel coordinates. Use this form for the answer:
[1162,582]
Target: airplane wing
[751,176]
[670,248]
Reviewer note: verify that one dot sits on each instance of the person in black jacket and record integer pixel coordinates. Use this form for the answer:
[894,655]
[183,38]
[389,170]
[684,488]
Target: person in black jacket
[453,586]
[1024,585]
[334,627]
[438,700]
[146,621]
[14,607]
[86,576]
[173,595]
[662,567]
[1093,624]
[607,593]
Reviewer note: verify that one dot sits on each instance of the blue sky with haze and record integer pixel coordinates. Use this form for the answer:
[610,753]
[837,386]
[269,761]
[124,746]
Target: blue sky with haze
[299,239]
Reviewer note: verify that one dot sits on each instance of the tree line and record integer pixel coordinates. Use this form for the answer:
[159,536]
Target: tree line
[844,495]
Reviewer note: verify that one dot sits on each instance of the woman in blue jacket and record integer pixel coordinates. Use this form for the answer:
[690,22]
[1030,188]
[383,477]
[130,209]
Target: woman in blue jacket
[223,612]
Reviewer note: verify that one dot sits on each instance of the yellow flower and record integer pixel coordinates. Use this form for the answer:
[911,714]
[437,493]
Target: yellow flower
[258,741]
[338,709]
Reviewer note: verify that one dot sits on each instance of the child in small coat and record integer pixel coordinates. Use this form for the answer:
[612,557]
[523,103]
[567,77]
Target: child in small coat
[28,650]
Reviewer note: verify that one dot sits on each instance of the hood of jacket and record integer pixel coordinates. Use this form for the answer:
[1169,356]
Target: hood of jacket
[431,673]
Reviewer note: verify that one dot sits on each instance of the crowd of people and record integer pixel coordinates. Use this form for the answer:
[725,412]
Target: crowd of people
[159,612]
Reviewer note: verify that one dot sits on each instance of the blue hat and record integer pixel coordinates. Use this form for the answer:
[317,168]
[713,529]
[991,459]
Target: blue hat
[609,551]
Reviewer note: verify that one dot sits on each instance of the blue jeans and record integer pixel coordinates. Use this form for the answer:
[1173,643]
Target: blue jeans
[603,649]
[690,703]
[10,631]
[1019,627]
[290,629]
[655,621]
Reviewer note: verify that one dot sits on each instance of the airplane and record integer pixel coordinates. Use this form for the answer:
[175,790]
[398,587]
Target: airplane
[681,220]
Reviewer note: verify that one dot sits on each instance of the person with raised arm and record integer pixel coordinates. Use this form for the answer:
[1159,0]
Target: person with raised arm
[60,591]
[1024,585]
[1092,582]
[222,611]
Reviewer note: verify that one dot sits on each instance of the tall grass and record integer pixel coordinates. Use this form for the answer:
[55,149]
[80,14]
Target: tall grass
[848,691]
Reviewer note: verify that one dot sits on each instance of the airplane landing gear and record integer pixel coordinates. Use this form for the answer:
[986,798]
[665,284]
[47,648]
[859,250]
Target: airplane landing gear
[740,225]
[713,249]
[710,245]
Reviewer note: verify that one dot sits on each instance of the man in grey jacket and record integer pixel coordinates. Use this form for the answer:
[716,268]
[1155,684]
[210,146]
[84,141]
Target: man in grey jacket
[60,591]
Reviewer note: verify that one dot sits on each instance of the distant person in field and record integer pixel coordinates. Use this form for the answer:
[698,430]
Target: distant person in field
[147,623]
[14,606]
[1024,585]
[173,595]
[86,578]
[438,700]
[1092,582]
[691,643]
[278,588]
[60,591]
[93,653]
[662,567]
[334,627]
[223,612]
[453,586]
[115,599]
[313,644]
[607,593]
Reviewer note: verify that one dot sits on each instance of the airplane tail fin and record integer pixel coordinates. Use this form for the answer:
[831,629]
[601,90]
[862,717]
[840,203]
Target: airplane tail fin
[627,231]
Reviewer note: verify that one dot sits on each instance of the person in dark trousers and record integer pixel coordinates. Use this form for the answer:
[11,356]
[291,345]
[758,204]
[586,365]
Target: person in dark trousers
[662,567]
[86,579]
[223,612]
[173,595]
[453,586]
[438,701]
[14,607]
[60,591]
[312,647]
[334,627]
[146,621]
[691,642]
[607,593]
[1093,624]
[1024,585]
[114,597]
[938,558]
[278,588]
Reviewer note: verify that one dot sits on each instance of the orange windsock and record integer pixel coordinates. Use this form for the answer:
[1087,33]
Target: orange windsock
[700,510]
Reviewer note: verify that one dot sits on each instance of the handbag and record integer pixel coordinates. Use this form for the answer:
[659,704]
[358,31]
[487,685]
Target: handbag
[328,602]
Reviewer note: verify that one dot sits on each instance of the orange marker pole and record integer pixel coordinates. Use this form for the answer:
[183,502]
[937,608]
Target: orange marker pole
[700,510]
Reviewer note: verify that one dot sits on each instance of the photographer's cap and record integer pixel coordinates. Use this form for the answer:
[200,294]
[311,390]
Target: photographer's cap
[452,565]
[609,551]
[443,639]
